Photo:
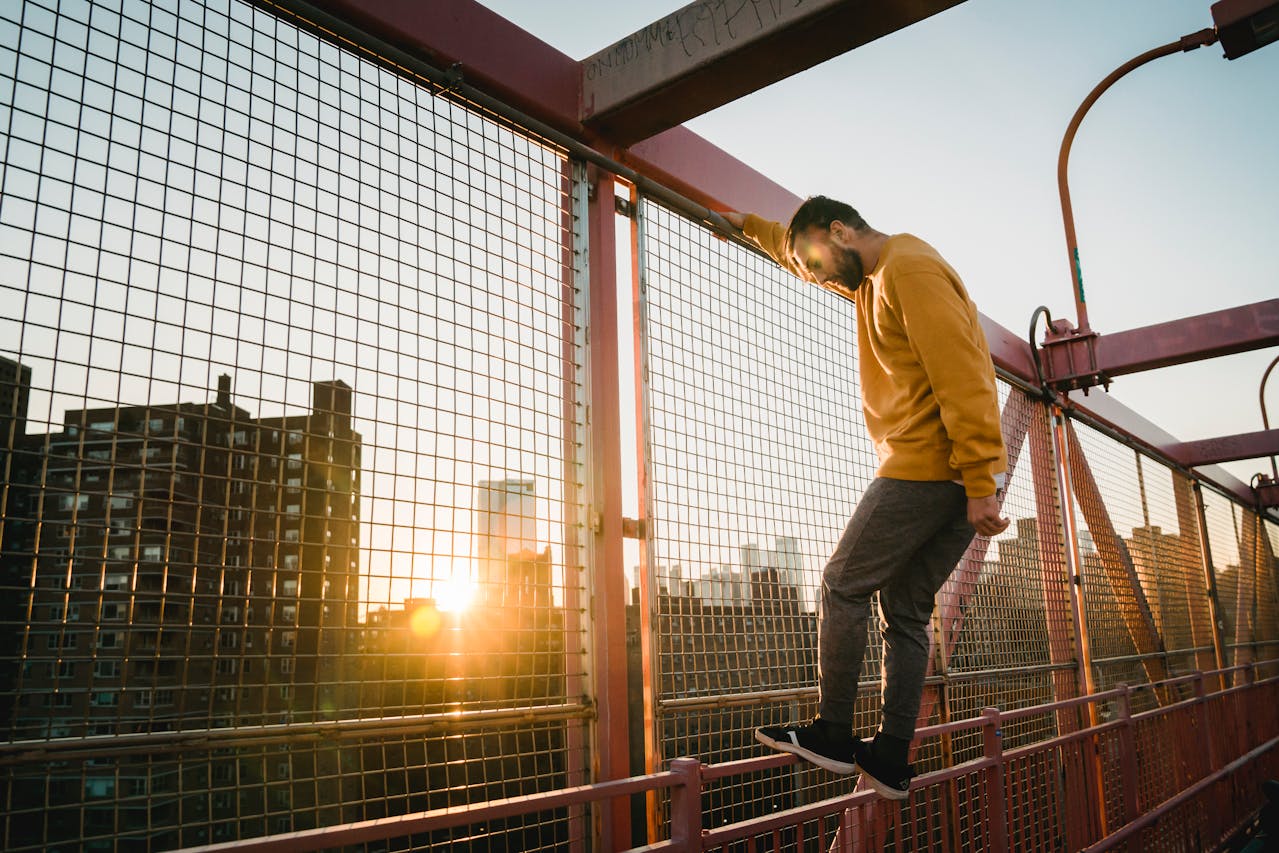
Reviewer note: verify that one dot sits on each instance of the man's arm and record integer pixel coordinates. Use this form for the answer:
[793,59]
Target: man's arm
[769,236]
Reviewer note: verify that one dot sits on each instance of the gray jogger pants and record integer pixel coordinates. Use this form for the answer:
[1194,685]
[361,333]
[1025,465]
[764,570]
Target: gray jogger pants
[903,540]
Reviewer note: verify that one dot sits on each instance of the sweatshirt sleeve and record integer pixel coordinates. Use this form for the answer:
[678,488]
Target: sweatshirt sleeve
[771,237]
[941,325]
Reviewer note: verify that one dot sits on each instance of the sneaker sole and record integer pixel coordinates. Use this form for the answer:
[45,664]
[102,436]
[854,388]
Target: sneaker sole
[834,766]
[885,790]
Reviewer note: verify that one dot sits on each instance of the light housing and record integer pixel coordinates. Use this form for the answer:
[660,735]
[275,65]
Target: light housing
[1245,25]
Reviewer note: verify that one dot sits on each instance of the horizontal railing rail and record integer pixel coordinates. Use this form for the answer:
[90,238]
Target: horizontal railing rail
[837,818]
[66,749]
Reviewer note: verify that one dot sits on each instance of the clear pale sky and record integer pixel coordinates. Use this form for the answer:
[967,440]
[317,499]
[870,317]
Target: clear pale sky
[950,130]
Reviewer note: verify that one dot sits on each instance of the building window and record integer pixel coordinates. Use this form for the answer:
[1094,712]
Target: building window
[287,665]
[102,426]
[113,612]
[73,502]
[123,501]
[290,586]
[66,669]
[108,640]
[155,424]
[142,700]
[153,553]
[62,700]
[286,691]
[229,640]
[226,694]
[106,699]
[289,612]
[100,455]
[288,639]
[118,581]
[227,667]
[292,535]
[99,789]
[164,697]
[106,669]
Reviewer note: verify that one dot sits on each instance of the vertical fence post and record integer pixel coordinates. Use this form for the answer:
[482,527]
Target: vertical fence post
[608,578]
[1093,821]
[996,790]
[1210,584]
[1128,753]
[686,805]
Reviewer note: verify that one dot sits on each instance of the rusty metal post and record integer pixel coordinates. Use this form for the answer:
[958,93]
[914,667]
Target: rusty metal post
[1128,753]
[1062,449]
[649,656]
[1064,643]
[608,578]
[996,794]
[1074,563]
[1210,584]
[686,806]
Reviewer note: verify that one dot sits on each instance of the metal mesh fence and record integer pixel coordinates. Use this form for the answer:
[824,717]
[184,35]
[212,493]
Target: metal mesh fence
[756,452]
[289,428]
[291,509]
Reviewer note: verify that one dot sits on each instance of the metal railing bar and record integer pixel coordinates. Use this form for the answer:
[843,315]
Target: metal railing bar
[445,818]
[1129,829]
[25,751]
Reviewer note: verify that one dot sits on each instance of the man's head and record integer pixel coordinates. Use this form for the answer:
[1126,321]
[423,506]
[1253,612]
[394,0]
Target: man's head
[823,237]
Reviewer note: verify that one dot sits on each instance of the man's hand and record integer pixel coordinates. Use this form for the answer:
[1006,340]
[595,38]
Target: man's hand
[983,515]
[735,219]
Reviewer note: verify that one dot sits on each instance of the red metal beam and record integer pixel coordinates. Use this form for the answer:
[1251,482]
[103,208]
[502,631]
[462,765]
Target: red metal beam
[711,52]
[494,54]
[1084,360]
[1226,448]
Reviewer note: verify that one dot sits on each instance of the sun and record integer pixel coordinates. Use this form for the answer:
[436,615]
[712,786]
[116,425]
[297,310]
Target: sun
[455,595]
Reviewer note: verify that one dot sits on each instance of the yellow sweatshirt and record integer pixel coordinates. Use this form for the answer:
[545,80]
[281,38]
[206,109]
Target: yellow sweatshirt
[928,384]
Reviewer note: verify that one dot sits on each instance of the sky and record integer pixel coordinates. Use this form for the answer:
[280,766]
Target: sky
[950,129]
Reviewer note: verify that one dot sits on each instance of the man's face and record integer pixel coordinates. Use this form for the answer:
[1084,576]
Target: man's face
[827,257]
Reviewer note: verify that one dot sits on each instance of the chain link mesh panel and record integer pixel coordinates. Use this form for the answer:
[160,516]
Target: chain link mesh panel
[288,434]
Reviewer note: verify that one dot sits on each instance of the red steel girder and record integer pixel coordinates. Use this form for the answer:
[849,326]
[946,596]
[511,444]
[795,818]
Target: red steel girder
[1226,448]
[712,52]
[1084,360]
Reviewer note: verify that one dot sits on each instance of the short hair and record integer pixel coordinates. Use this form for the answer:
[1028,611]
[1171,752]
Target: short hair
[819,211]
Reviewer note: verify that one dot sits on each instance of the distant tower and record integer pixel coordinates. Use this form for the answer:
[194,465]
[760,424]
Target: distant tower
[505,527]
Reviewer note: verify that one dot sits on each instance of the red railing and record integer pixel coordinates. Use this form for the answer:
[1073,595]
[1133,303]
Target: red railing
[1186,773]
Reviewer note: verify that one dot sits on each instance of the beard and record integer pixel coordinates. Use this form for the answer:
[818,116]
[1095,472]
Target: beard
[849,269]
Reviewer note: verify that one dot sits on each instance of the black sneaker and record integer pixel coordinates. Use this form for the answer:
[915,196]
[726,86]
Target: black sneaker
[890,778]
[816,741]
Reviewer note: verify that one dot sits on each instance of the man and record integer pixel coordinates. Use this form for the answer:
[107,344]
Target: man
[931,405]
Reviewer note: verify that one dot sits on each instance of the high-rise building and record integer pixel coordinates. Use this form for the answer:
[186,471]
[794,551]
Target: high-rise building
[505,527]
[186,566]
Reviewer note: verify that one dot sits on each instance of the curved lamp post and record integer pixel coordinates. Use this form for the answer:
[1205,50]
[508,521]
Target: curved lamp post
[1241,26]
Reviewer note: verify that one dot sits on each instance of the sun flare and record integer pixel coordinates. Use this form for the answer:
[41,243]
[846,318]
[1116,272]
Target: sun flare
[455,595]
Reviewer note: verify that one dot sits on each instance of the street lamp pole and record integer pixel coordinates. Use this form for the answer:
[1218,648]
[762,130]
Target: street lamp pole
[1184,44]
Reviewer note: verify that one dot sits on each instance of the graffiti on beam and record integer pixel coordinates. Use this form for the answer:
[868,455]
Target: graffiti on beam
[693,29]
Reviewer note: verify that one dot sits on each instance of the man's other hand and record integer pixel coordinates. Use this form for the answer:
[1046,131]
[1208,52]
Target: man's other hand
[983,515]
